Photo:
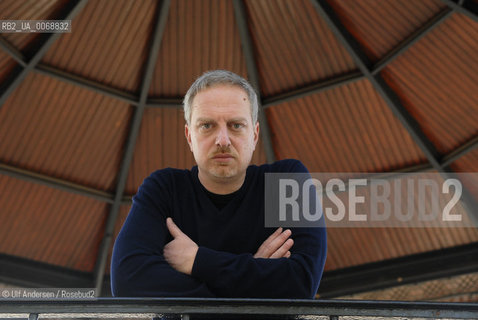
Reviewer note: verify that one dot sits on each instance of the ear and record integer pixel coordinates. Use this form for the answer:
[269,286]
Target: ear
[256,134]
[187,133]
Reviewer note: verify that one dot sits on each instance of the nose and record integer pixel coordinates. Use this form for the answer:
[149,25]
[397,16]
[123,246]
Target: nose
[222,138]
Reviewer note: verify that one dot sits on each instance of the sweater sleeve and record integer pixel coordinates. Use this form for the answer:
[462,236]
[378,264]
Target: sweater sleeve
[243,276]
[138,268]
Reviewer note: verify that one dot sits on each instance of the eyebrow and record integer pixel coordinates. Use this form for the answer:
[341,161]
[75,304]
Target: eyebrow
[203,120]
[239,119]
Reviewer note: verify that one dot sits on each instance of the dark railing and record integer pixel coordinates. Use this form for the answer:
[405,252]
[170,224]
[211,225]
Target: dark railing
[229,308]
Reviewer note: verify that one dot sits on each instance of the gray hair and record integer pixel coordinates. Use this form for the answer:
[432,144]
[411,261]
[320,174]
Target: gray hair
[218,77]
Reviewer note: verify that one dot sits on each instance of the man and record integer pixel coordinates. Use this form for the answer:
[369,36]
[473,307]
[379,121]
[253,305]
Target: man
[200,232]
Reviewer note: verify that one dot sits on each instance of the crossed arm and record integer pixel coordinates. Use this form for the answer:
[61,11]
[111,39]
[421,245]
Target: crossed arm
[146,262]
[181,251]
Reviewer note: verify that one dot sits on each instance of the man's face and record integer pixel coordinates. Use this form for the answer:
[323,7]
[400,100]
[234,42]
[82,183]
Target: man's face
[221,134]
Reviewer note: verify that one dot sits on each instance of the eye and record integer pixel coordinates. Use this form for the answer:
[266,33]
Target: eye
[237,126]
[205,126]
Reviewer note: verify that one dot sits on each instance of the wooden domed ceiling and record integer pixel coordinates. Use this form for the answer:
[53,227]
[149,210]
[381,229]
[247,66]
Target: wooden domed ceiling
[346,86]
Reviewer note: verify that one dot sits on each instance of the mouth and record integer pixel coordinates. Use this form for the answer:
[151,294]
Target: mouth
[223,157]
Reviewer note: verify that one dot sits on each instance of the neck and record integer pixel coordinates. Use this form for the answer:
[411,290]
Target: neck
[221,185]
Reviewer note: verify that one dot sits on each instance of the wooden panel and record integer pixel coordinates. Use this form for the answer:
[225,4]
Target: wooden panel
[6,66]
[199,36]
[109,43]
[60,130]
[49,225]
[347,129]
[161,143]
[293,45]
[437,82]
[380,25]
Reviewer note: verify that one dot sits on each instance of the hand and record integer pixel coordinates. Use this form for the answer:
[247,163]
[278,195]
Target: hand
[276,246]
[181,251]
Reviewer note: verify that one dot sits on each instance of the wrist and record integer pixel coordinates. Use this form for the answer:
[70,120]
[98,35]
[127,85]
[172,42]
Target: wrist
[192,258]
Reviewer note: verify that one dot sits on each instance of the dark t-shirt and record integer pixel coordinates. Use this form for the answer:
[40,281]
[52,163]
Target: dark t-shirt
[220,200]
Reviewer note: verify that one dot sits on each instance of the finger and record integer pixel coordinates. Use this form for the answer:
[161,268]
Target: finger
[282,251]
[272,244]
[173,228]
[262,252]
[278,241]
[287,254]
[274,235]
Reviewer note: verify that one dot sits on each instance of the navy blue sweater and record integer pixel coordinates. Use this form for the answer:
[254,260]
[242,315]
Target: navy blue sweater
[227,240]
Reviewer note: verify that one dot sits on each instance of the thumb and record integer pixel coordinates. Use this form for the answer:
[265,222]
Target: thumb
[173,228]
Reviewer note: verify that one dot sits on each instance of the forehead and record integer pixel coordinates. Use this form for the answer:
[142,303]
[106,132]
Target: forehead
[221,99]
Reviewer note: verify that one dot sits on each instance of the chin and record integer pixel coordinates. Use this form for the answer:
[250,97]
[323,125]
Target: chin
[223,172]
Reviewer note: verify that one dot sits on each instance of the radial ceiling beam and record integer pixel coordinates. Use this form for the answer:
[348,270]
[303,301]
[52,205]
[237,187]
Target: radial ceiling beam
[165,103]
[56,183]
[413,38]
[12,51]
[467,7]
[241,20]
[69,77]
[312,89]
[460,152]
[18,75]
[391,99]
[161,18]
[86,83]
